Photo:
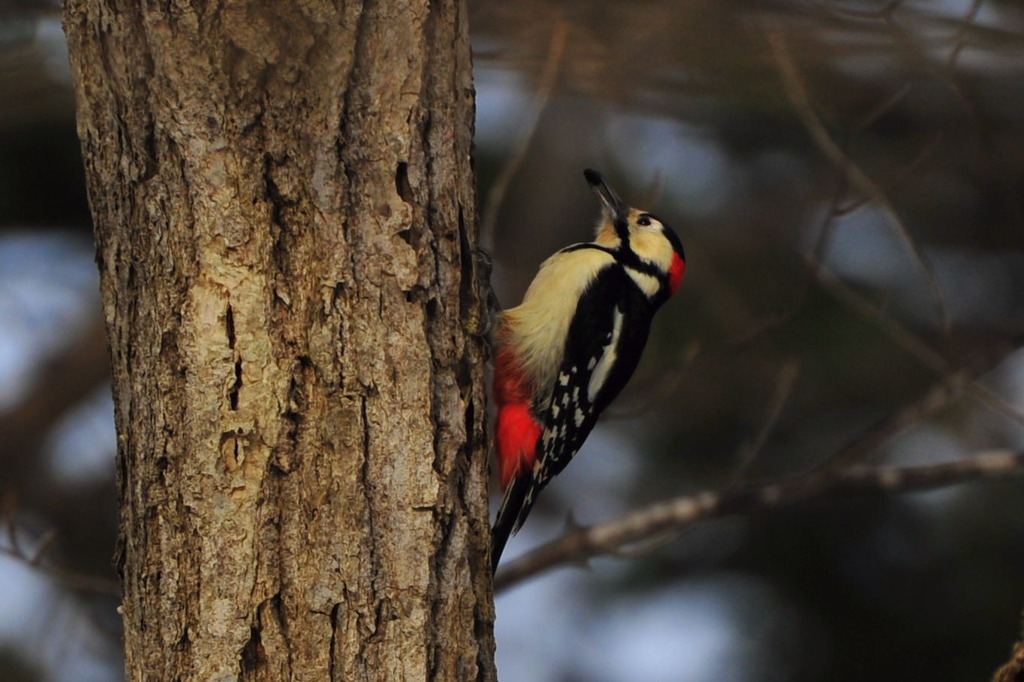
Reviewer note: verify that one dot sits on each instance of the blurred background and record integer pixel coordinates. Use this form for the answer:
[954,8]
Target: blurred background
[848,180]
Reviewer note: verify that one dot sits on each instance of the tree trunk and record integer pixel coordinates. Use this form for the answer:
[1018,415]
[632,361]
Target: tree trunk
[284,212]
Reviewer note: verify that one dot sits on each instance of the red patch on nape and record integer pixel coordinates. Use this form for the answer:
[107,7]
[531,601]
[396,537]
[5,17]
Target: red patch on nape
[675,273]
[516,441]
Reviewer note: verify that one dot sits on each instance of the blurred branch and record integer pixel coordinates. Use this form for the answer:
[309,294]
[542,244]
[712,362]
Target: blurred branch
[960,41]
[12,547]
[953,382]
[869,440]
[59,384]
[749,451]
[915,346]
[678,514]
[859,13]
[1013,671]
[1001,169]
[800,99]
[548,79]
[835,209]
[668,382]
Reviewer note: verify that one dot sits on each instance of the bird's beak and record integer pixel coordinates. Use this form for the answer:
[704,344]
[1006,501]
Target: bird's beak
[610,201]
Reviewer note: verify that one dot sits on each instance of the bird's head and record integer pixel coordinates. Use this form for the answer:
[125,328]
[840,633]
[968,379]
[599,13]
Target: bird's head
[634,231]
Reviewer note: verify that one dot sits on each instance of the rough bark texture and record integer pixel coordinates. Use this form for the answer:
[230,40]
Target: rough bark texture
[286,232]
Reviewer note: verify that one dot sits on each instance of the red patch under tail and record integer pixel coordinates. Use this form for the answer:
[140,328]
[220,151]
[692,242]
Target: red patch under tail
[518,430]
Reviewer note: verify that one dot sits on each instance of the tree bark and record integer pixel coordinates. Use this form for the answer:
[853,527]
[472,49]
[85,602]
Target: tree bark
[284,213]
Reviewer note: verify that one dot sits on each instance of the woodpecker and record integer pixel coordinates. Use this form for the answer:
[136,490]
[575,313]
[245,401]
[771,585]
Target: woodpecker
[569,348]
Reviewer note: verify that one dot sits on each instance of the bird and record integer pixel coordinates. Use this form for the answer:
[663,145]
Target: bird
[565,353]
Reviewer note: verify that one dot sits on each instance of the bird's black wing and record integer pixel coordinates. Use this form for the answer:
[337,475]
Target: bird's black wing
[606,338]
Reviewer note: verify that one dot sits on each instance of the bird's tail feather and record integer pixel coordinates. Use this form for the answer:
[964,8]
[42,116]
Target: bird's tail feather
[509,516]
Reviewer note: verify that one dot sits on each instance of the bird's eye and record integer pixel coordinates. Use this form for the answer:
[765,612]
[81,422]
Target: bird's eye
[643,220]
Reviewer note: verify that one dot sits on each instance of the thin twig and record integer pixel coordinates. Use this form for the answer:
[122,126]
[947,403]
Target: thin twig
[882,108]
[36,559]
[678,514]
[749,451]
[867,442]
[863,13]
[996,161]
[960,41]
[909,341]
[668,382]
[824,232]
[79,582]
[800,99]
[548,78]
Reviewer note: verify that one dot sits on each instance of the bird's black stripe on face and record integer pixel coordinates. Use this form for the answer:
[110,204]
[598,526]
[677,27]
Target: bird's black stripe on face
[628,258]
[622,230]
